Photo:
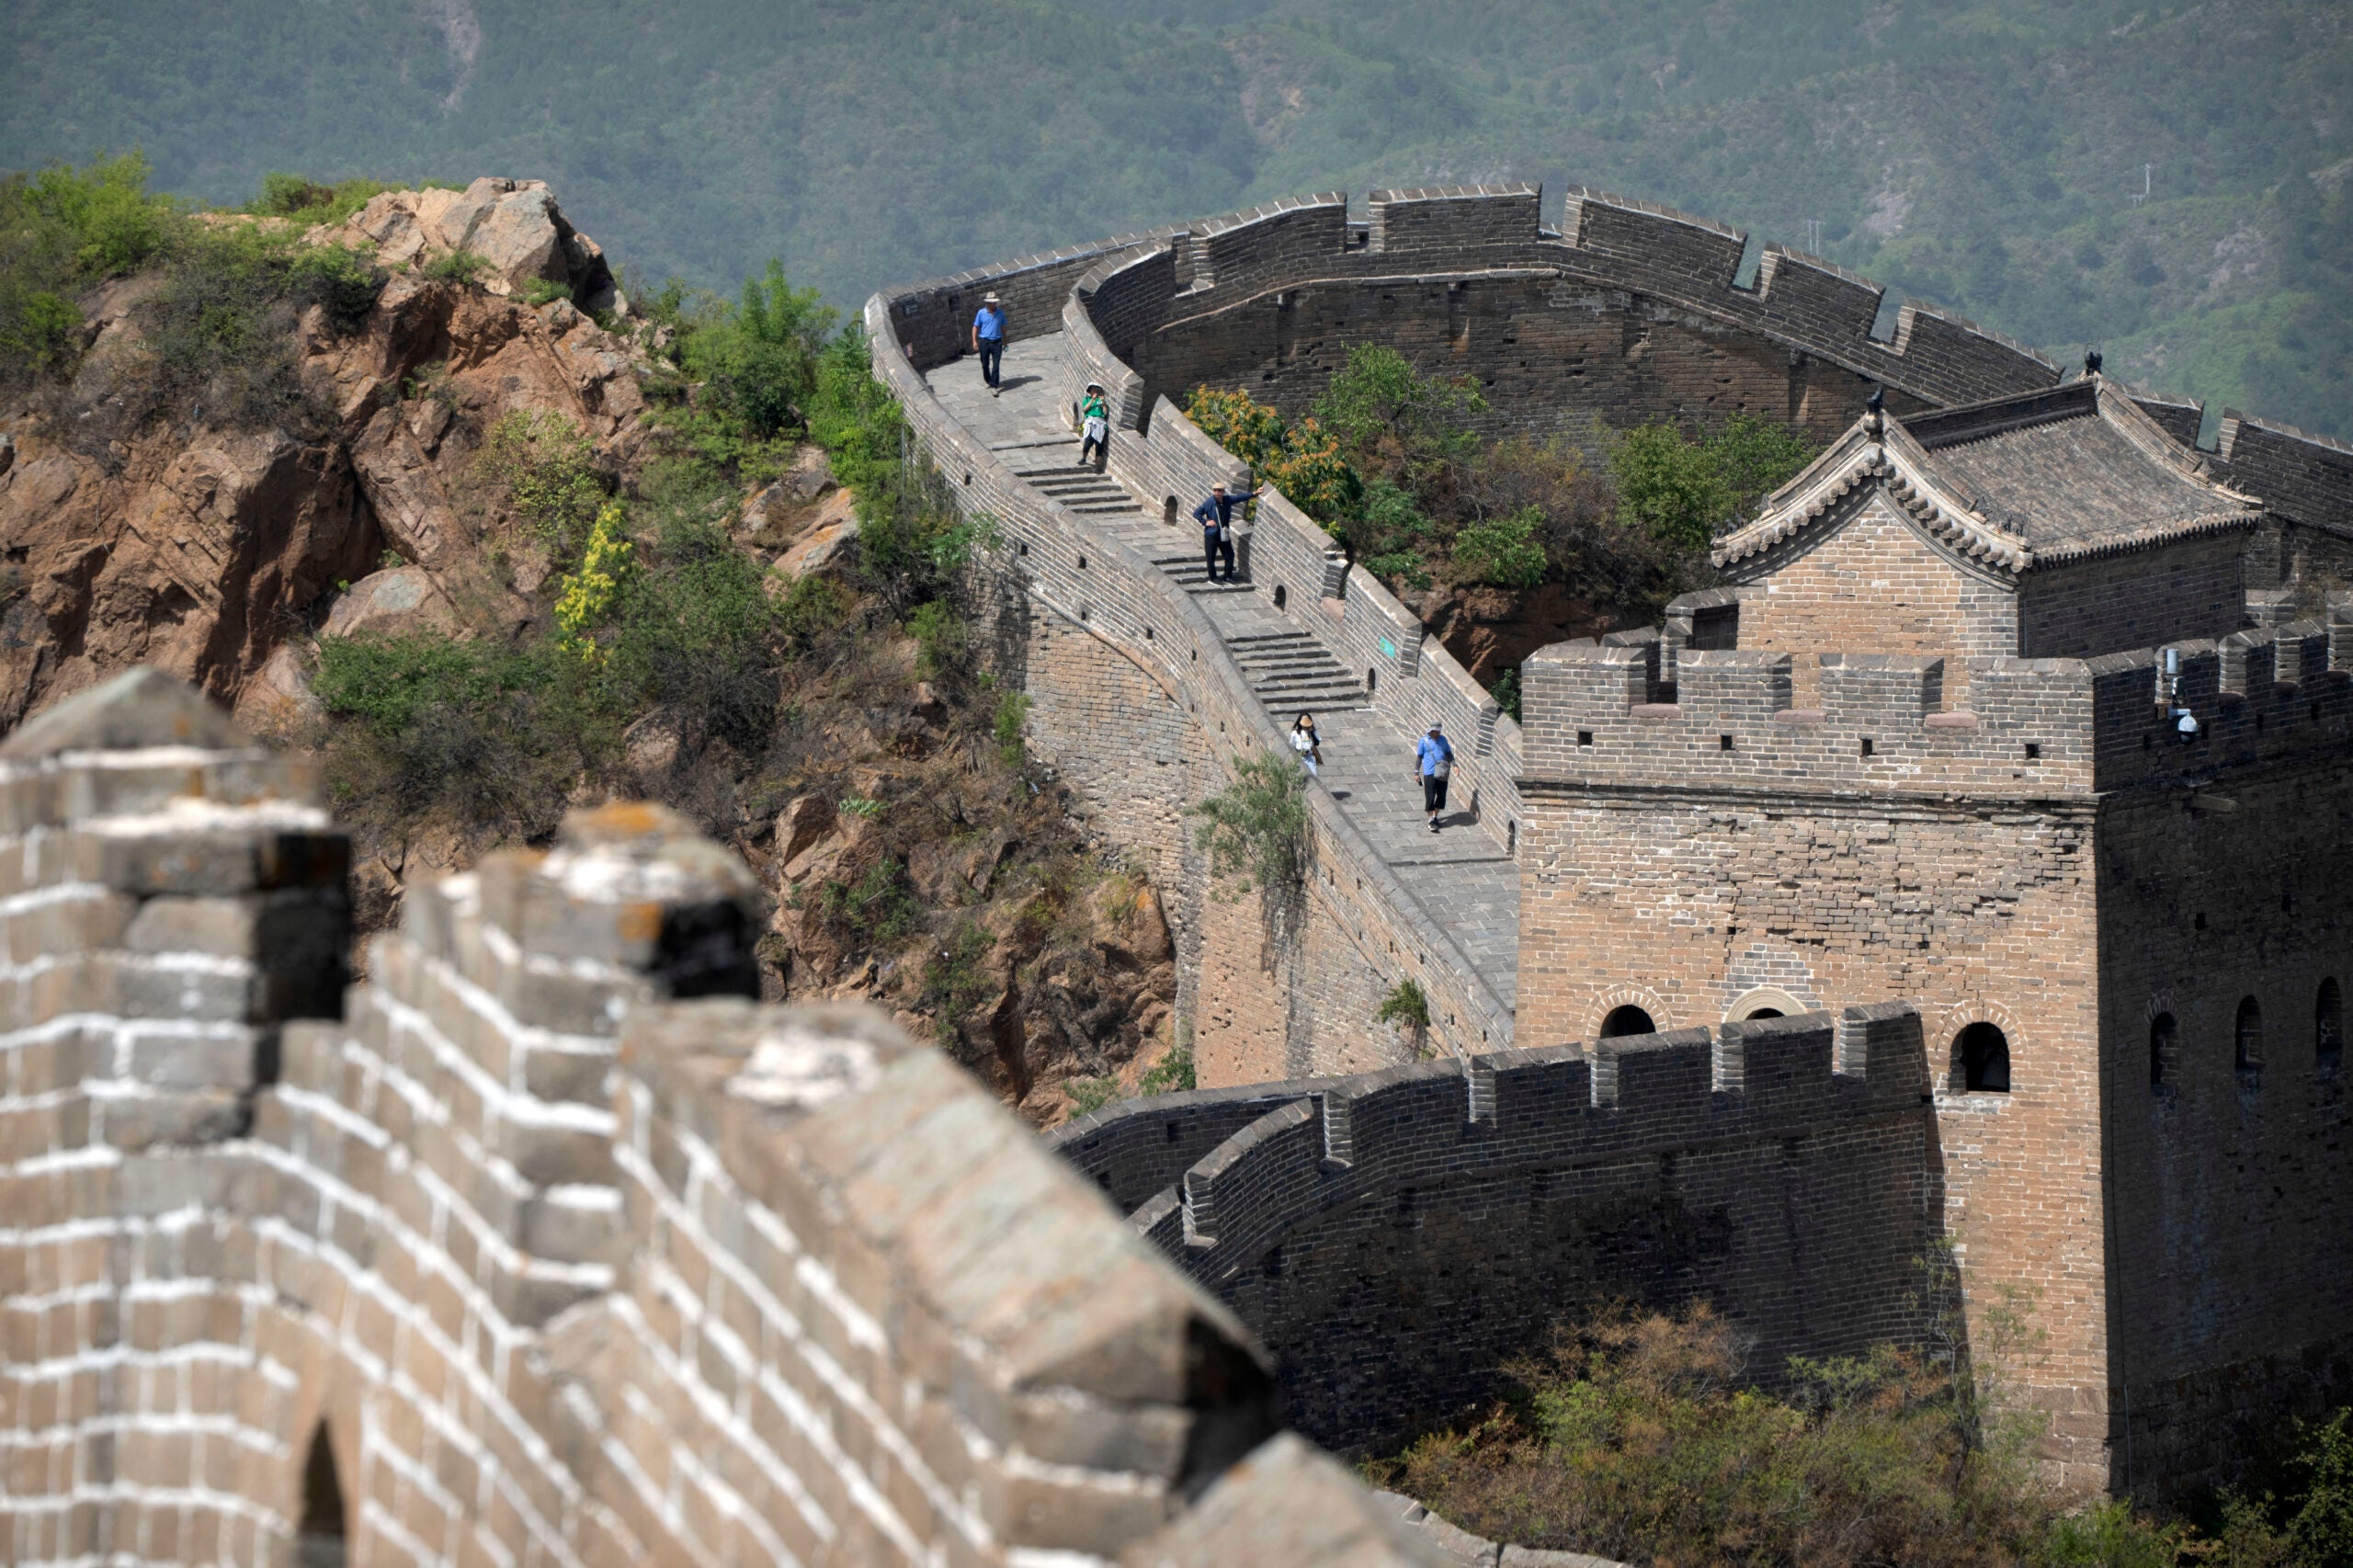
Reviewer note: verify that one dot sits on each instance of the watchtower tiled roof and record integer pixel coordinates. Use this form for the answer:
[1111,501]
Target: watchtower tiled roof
[2042,477]
[2077,469]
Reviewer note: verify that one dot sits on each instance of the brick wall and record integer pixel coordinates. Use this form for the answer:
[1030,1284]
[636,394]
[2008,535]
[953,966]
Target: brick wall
[2234,1252]
[1866,578]
[1106,604]
[2077,609]
[562,1253]
[1442,1217]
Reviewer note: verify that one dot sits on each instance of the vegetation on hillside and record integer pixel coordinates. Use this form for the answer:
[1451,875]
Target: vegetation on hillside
[1985,155]
[215,327]
[1389,465]
[1636,1436]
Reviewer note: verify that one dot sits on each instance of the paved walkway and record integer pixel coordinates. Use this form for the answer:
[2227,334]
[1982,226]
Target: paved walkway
[1466,886]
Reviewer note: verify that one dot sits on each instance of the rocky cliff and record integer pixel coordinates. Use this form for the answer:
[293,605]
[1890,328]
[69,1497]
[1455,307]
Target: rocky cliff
[202,546]
[328,478]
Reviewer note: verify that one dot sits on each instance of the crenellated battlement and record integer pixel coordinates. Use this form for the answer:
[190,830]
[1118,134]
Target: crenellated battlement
[1454,1147]
[1637,709]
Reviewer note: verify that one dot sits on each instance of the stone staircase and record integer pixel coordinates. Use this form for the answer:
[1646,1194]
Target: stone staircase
[1290,670]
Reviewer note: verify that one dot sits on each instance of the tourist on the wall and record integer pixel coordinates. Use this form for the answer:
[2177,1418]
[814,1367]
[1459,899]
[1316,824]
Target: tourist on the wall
[988,341]
[1433,763]
[1309,745]
[1216,517]
[1095,425]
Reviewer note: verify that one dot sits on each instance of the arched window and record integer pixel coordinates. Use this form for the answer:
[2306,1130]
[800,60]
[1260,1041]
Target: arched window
[1765,1012]
[319,1542]
[1626,1020]
[1984,1059]
[2248,1055]
[2328,1027]
[2161,1065]
[1282,596]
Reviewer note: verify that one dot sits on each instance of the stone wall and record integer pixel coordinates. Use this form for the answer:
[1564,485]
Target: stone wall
[1067,604]
[2056,861]
[2234,1253]
[1442,1218]
[549,1249]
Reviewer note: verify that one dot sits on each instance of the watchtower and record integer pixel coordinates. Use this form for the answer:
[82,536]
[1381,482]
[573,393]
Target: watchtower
[1976,727]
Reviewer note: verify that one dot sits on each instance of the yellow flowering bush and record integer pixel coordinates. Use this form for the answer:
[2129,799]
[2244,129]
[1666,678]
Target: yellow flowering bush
[588,594]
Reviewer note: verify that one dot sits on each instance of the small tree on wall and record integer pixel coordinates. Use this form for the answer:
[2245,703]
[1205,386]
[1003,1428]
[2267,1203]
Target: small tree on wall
[1254,830]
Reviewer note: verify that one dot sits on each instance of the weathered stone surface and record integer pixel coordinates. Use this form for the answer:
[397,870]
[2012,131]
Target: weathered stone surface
[391,603]
[142,706]
[830,536]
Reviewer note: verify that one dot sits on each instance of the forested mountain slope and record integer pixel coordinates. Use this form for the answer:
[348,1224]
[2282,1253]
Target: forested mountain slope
[1983,157]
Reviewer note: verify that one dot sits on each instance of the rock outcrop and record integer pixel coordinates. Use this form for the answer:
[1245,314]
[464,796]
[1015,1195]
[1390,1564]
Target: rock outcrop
[204,549]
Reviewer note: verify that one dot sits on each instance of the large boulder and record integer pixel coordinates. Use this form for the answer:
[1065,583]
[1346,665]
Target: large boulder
[513,224]
[392,603]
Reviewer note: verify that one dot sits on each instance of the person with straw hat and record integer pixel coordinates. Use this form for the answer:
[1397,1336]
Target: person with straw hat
[988,341]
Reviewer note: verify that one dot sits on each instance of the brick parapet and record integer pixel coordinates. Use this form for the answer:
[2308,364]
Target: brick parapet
[561,1263]
[1600,714]
[1450,1141]
[1092,580]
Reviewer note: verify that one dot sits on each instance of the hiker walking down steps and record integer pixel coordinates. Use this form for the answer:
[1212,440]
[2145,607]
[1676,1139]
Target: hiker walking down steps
[1216,517]
[1095,425]
[1433,762]
[1309,745]
[988,341]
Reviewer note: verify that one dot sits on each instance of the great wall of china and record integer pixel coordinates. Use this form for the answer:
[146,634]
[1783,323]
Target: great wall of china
[546,1245]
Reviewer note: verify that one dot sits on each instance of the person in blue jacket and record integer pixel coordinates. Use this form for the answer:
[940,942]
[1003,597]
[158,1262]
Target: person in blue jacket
[1433,763]
[988,341]
[1216,517]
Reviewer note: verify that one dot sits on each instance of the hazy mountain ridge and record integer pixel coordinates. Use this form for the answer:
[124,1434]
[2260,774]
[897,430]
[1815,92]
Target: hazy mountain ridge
[1981,156]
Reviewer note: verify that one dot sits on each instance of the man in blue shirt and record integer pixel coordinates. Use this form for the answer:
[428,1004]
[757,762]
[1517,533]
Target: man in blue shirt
[988,341]
[1433,761]
[1216,517]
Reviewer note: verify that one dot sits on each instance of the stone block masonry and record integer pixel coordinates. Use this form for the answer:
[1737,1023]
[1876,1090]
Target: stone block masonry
[1395,1238]
[545,1246]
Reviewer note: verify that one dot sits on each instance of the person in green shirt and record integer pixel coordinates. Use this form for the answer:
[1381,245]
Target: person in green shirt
[1095,423]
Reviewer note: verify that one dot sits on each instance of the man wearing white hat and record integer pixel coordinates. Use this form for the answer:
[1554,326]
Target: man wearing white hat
[988,340]
[1433,762]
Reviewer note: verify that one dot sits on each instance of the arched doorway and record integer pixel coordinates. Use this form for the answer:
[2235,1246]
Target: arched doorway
[1983,1054]
[2161,1050]
[1628,1019]
[319,1540]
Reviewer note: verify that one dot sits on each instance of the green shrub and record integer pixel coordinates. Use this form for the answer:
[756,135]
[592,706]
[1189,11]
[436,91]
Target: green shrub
[63,228]
[103,214]
[940,638]
[1405,1005]
[1398,423]
[855,418]
[539,291]
[956,980]
[1255,828]
[486,741]
[696,631]
[809,609]
[1670,485]
[1012,714]
[544,464]
[758,361]
[1088,1096]
[1684,490]
[872,907]
[1171,1074]
[462,267]
[1503,550]
[1506,691]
